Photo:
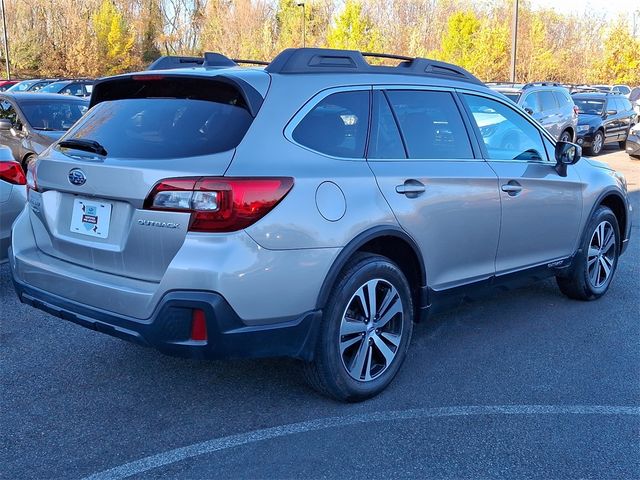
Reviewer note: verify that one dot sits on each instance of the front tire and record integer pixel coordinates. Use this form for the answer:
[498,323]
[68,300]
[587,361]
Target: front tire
[595,264]
[366,330]
[597,144]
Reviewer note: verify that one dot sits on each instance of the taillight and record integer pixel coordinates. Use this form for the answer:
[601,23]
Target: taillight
[32,181]
[219,204]
[12,172]
[576,110]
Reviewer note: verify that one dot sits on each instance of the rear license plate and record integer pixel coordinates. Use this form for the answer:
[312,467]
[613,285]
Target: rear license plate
[90,218]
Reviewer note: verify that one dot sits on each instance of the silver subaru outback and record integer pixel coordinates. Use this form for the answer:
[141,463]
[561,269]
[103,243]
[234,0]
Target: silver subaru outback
[314,209]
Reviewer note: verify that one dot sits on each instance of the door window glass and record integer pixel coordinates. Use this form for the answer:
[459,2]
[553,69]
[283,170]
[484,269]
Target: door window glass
[8,112]
[385,141]
[548,101]
[506,134]
[431,124]
[562,98]
[532,102]
[336,126]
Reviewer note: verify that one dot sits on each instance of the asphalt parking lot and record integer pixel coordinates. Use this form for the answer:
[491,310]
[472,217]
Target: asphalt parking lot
[527,384]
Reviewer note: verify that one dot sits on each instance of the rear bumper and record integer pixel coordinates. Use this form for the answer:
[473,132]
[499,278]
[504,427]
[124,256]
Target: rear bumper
[169,327]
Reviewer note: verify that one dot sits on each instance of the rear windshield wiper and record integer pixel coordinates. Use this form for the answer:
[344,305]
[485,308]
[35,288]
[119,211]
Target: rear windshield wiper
[85,145]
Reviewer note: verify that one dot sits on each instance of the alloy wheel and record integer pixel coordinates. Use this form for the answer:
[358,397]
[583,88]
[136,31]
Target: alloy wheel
[597,143]
[601,255]
[371,330]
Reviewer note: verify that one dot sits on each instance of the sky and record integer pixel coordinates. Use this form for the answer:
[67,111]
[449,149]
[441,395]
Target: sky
[612,8]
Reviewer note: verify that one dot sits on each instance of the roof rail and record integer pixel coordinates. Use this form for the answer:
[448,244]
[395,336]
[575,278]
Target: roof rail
[250,62]
[324,60]
[541,84]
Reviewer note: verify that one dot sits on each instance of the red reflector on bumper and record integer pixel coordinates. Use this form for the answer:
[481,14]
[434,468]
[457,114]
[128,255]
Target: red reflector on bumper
[198,326]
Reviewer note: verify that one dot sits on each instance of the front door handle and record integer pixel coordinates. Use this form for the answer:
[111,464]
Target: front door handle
[411,188]
[513,188]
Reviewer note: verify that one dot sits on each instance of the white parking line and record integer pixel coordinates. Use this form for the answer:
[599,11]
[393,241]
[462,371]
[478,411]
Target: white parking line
[217,444]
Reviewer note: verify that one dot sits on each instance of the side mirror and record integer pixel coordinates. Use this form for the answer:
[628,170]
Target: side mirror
[528,110]
[5,125]
[611,112]
[567,153]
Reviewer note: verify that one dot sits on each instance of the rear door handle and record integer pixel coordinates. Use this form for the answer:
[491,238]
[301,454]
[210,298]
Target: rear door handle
[411,188]
[513,188]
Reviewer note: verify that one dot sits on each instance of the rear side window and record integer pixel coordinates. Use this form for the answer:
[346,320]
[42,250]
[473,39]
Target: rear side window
[562,98]
[337,125]
[547,100]
[166,119]
[430,124]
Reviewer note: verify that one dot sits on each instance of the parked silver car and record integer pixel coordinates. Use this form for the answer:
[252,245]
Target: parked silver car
[313,209]
[13,196]
[548,103]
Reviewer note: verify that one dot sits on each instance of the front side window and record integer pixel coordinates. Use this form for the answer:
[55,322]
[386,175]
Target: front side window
[506,134]
[430,124]
[8,112]
[532,102]
[337,125]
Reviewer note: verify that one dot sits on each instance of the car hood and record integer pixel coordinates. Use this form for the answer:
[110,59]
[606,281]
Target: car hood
[598,163]
[588,119]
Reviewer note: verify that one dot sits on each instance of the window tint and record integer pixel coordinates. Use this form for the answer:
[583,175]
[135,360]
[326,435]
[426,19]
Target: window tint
[336,126]
[159,128]
[385,141]
[506,134]
[548,101]
[430,124]
[73,89]
[532,102]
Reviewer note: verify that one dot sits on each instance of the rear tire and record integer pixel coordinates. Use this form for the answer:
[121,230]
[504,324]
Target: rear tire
[595,264]
[360,350]
[26,161]
[566,136]
[597,144]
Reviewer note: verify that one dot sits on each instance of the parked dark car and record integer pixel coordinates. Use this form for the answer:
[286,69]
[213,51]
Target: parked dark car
[32,85]
[77,88]
[30,122]
[633,142]
[603,118]
[6,84]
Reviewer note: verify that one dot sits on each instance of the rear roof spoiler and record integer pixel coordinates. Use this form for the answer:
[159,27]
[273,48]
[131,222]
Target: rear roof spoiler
[210,60]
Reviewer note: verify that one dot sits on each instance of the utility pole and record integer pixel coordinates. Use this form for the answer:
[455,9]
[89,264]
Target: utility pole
[304,24]
[514,40]
[6,42]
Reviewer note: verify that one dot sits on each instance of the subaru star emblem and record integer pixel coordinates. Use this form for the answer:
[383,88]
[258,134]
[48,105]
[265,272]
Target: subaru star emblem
[77,177]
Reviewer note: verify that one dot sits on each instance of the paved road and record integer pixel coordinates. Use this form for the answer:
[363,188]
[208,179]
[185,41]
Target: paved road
[527,384]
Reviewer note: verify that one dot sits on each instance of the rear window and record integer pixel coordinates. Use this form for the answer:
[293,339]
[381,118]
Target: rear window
[589,106]
[162,125]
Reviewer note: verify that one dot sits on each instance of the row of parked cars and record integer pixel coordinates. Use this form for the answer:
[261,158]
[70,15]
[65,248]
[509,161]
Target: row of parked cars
[78,87]
[313,209]
[592,116]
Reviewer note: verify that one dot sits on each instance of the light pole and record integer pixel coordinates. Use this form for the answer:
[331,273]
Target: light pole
[304,24]
[6,42]
[514,41]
